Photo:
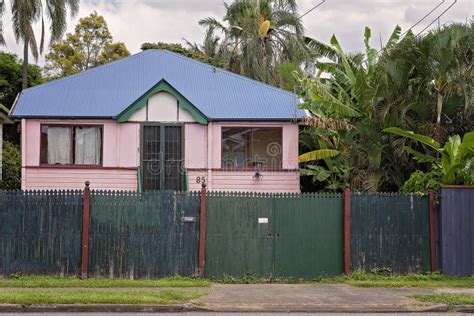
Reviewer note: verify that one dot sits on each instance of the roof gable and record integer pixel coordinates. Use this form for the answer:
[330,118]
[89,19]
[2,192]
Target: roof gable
[162,86]
[108,91]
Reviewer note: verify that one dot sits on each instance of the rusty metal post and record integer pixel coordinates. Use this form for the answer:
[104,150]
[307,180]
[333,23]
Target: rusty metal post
[85,229]
[432,217]
[202,231]
[347,229]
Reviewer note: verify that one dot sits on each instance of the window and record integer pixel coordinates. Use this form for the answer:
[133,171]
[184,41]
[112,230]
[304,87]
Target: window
[246,147]
[71,145]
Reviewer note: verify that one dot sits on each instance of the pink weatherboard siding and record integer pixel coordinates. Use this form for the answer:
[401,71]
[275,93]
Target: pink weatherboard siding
[286,180]
[118,170]
[121,157]
[272,181]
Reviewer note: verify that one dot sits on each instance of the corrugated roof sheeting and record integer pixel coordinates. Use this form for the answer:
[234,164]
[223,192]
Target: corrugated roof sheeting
[108,90]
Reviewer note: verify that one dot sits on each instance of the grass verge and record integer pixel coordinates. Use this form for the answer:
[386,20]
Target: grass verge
[98,297]
[429,280]
[63,282]
[360,279]
[448,298]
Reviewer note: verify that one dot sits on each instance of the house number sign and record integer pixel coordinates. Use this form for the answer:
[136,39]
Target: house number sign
[201,179]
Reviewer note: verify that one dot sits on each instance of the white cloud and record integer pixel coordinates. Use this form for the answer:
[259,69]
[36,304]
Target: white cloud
[137,21]
[347,19]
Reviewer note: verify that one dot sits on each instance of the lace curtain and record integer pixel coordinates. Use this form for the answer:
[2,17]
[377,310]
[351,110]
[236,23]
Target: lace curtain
[87,145]
[59,145]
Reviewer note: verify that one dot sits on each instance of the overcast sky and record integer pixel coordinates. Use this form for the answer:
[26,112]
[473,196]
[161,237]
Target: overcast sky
[138,21]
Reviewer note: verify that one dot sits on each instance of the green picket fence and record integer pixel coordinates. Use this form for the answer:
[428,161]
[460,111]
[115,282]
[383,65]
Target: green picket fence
[40,232]
[149,234]
[154,234]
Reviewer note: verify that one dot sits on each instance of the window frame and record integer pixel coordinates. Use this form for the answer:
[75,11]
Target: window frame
[72,128]
[279,168]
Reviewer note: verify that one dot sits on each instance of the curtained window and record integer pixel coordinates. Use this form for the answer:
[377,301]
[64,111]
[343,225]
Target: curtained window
[71,145]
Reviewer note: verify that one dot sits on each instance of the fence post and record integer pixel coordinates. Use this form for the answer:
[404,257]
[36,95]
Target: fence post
[432,218]
[347,229]
[202,231]
[85,229]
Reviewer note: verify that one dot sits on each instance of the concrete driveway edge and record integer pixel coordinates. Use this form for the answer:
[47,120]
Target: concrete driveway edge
[135,308]
[98,308]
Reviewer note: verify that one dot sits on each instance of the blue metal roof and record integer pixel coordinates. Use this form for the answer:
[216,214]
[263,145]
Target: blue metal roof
[108,90]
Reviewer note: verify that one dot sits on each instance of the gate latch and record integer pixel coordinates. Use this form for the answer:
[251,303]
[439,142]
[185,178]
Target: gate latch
[188,219]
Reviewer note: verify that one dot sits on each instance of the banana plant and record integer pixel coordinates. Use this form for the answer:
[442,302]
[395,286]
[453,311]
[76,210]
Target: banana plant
[319,154]
[455,158]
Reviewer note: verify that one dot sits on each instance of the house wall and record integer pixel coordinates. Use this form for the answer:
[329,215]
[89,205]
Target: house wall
[121,157]
[118,170]
[205,161]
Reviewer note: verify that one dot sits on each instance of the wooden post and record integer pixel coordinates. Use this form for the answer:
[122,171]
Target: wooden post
[202,231]
[347,229]
[432,217]
[85,229]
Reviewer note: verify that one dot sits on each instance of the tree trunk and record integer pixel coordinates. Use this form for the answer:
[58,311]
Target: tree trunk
[439,108]
[24,81]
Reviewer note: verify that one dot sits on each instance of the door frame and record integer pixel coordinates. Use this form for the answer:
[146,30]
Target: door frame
[162,126]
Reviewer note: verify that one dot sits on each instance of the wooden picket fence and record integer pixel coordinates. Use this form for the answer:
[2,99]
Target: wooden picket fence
[154,234]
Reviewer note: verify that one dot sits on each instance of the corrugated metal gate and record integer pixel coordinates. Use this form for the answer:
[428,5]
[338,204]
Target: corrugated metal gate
[390,230]
[457,230]
[150,234]
[274,235]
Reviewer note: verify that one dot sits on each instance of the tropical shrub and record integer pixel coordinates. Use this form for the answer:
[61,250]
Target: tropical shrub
[455,159]
[421,182]
[409,83]
[11,164]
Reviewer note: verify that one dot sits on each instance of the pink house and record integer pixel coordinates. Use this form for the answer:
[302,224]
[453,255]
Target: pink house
[159,121]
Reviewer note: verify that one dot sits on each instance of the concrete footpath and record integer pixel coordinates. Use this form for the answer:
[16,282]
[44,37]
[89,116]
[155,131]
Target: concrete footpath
[315,298]
[321,298]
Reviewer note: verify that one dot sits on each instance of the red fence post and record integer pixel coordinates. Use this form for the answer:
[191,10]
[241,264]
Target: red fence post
[85,229]
[202,231]
[432,218]
[347,229]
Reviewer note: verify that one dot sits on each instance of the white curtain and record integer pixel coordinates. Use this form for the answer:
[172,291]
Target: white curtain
[87,146]
[59,145]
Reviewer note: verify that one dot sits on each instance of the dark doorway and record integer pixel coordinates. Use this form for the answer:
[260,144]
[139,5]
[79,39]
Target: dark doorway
[161,158]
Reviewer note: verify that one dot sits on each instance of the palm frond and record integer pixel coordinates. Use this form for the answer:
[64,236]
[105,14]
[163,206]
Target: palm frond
[33,44]
[321,49]
[2,11]
[326,123]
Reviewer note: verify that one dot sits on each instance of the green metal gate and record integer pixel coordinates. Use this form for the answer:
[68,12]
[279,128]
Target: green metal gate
[274,235]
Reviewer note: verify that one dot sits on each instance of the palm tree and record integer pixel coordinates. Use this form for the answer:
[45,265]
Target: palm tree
[2,11]
[210,46]
[26,13]
[446,58]
[259,35]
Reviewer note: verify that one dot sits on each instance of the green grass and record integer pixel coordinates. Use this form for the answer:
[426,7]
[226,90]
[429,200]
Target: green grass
[429,280]
[98,297]
[360,279]
[450,299]
[63,282]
